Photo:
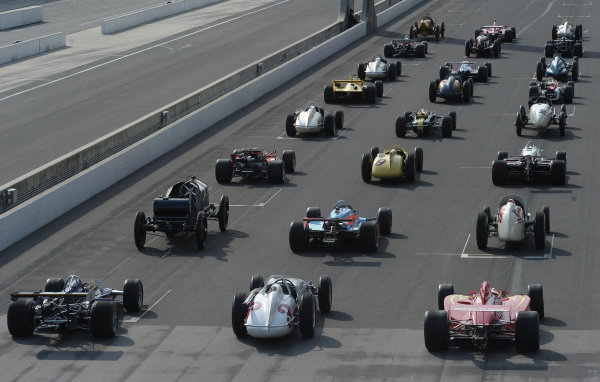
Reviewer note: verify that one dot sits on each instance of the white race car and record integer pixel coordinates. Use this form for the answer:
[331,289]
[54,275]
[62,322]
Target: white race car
[541,115]
[512,223]
[313,120]
[274,309]
[568,30]
[379,69]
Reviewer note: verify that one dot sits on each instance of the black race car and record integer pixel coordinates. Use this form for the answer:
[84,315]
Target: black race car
[484,45]
[72,305]
[563,46]
[529,166]
[184,208]
[250,163]
[423,122]
[467,69]
[405,48]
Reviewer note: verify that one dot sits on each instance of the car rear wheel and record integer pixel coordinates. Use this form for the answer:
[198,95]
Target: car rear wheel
[540,230]
[499,173]
[224,170]
[539,71]
[239,310]
[365,167]
[568,96]
[223,213]
[444,290]
[419,158]
[19,318]
[133,295]
[452,116]
[466,91]
[325,294]
[54,285]
[104,319]
[307,314]
[298,237]
[398,69]
[361,71]
[339,119]
[379,88]
[257,281]
[527,331]
[502,155]
[436,330]
[388,50]
[290,130]
[432,91]
[536,295]
[201,230]
[384,219]
[313,212]
[400,127]
[558,172]
[519,123]
[328,95]
[329,125]
[482,230]
[562,123]
[371,92]
[367,237]
[410,168]
[546,211]
[275,171]
[447,127]
[391,71]
[139,232]
[289,157]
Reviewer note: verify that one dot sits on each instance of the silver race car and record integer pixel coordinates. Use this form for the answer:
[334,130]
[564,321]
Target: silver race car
[275,309]
[379,69]
[314,120]
[541,115]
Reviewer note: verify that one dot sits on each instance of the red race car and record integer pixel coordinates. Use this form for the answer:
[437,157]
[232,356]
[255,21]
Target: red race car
[485,315]
[250,163]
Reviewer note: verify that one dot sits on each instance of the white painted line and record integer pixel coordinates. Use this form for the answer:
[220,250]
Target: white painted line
[463,23]
[572,114]
[512,114]
[549,255]
[570,17]
[258,204]
[386,93]
[120,14]
[474,167]
[537,18]
[469,11]
[590,3]
[136,319]
[465,247]
[482,256]
[436,254]
[140,51]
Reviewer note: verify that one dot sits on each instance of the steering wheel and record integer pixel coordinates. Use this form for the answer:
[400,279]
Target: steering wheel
[190,189]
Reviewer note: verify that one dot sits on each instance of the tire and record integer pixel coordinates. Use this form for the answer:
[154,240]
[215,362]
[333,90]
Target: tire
[361,71]
[367,237]
[20,318]
[239,310]
[398,69]
[223,213]
[224,170]
[502,155]
[575,70]
[482,74]
[313,212]
[54,285]
[533,91]
[201,230]
[410,167]
[468,48]
[437,34]
[133,295]
[275,171]
[578,50]
[432,91]
[307,314]
[561,155]
[536,294]
[519,123]
[579,31]
[257,281]
[139,232]
[420,51]
[444,290]
[329,125]
[290,130]
[509,36]
[539,71]
[447,127]
[546,211]
[339,119]
[549,50]
[558,171]
[104,319]
[562,123]
[371,93]
[572,84]
[328,95]
[477,33]
[496,48]
[452,115]
[488,212]
[325,295]
[482,230]
[419,158]
[388,50]
[443,30]
[466,91]
[444,70]
[384,219]
[391,71]
[436,330]
[488,65]
[527,331]
[471,87]
[289,156]
[568,96]
[366,166]
[540,230]
[379,88]
[298,237]
[374,152]
[499,173]
[400,127]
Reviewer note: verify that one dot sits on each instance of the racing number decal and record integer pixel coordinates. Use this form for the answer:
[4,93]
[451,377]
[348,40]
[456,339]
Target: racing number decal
[254,305]
[285,308]
[380,162]
[519,213]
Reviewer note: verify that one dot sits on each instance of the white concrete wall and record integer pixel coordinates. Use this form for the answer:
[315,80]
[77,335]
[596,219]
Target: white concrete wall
[131,20]
[28,48]
[21,16]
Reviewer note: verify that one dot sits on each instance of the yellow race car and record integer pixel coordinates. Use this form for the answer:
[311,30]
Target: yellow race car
[353,89]
[427,26]
[393,162]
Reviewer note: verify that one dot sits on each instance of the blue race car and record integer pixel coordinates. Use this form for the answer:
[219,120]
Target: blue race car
[558,68]
[342,225]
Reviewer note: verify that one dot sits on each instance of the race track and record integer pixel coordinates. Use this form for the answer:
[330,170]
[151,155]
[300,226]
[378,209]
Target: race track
[375,329]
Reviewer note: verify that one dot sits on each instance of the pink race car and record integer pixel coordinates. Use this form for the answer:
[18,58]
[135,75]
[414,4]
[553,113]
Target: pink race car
[485,315]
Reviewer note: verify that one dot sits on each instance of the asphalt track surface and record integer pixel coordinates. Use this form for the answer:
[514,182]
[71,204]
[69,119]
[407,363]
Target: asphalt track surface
[375,329]
[49,114]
